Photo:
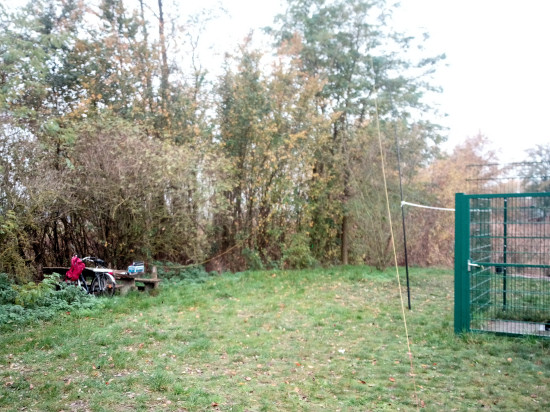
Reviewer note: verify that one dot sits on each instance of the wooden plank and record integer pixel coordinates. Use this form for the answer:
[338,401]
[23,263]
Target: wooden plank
[149,283]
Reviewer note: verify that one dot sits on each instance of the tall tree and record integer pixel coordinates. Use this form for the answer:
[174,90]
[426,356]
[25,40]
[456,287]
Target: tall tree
[244,107]
[431,232]
[538,168]
[537,177]
[164,58]
[269,131]
[77,97]
[347,43]
[41,88]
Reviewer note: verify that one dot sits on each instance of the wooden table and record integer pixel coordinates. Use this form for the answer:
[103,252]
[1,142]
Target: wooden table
[126,282]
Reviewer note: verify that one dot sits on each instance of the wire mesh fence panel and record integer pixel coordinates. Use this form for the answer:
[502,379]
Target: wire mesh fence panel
[507,273]
[480,251]
[518,177]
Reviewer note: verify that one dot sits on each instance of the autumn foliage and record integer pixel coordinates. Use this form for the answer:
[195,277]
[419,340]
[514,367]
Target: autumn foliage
[113,143]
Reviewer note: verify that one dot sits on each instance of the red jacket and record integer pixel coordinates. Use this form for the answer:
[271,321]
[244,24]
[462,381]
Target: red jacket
[77,266]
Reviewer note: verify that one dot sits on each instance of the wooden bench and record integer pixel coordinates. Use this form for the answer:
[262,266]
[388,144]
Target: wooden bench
[150,283]
[59,270]
[126,282]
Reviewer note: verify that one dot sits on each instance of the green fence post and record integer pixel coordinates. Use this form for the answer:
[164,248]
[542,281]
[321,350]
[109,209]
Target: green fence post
[462,254]
[505,249]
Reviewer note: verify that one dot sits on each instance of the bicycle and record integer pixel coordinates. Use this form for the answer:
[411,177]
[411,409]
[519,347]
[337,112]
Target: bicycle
[75,274]
[103,282]
[80,283]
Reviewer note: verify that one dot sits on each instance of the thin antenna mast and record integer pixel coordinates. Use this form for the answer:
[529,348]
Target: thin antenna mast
[403,215]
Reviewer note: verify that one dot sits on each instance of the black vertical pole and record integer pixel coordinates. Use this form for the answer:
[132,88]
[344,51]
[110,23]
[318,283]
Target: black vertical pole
[403,218]
[406,257]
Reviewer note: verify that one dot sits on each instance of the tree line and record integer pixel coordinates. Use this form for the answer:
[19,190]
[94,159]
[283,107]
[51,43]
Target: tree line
[115,143]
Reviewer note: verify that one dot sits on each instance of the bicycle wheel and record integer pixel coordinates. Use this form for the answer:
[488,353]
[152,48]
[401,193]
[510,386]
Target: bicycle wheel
[109,283]
[98,286]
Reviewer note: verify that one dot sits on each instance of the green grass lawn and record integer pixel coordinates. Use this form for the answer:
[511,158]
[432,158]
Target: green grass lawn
[312,340]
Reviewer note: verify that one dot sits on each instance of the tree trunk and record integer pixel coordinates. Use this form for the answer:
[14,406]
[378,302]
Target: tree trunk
[145,65]
[164,57]
[345,240]
[340,139]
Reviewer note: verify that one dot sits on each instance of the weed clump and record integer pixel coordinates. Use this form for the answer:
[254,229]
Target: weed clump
[20,304]
[175,273]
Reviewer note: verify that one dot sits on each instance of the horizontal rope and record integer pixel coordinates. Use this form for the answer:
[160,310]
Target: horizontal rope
[427,207]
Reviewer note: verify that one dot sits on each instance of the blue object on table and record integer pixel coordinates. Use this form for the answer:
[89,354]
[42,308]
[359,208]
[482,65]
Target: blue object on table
[136,267]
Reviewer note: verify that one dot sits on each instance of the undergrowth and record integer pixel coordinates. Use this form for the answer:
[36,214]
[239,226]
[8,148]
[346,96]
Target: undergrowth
[32,302]
[174,273]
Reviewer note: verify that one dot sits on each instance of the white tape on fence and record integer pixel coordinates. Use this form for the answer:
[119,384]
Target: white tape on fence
[426,207]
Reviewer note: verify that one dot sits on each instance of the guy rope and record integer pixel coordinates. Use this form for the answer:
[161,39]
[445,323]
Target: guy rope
[409,351]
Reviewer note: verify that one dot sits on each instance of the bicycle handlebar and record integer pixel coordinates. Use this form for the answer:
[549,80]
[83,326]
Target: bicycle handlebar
[95,260]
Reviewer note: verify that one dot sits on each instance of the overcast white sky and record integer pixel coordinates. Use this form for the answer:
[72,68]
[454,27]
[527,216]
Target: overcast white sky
[497,75]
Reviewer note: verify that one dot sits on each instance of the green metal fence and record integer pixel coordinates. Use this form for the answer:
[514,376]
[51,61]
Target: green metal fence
[502,263]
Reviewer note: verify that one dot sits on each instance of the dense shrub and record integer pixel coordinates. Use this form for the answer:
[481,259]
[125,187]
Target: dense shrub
[173,272]
[7,293]
[253,259]
[297,254]
[39,301]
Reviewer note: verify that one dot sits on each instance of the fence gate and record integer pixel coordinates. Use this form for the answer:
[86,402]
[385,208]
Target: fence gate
[502,263]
